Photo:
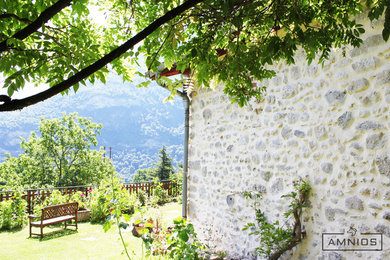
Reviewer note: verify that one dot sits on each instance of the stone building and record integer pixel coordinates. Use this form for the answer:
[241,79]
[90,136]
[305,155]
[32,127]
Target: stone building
[327,124]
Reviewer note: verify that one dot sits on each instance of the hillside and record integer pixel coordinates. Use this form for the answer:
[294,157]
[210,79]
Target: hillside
[136,122]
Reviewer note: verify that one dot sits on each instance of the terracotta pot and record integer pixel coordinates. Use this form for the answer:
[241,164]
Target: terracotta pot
[137,229]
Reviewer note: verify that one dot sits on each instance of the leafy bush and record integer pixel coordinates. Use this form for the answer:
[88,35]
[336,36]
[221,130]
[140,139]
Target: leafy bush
[98,205]
[178,199]
[159,196]
[80,198]
[110,193]
[55,198]
[6,214]
[13,212]
[160,193]
[130,204]
[142,197]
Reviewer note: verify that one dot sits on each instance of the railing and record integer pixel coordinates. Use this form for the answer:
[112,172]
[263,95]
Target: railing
[34,195]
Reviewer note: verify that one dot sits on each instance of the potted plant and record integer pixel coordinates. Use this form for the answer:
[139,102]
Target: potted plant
[142,226]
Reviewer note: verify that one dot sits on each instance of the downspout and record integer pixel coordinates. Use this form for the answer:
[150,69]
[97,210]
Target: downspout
[186,101]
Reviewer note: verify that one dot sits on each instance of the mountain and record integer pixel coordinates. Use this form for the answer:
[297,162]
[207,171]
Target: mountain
[136,123]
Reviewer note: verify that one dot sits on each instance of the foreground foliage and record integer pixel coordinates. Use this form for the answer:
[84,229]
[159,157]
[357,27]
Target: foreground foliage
[178,241]
[59,43]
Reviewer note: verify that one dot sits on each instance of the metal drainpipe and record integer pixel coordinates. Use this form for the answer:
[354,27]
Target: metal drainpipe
[186,101]
[185,165]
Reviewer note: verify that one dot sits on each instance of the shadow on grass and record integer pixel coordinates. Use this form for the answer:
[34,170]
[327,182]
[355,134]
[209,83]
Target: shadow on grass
[13,230]
[48,235]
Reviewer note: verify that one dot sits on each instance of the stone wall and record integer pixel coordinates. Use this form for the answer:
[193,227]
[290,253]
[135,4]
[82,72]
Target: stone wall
[328,124]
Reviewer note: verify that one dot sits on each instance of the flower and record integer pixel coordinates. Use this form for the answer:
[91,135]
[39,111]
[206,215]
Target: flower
[82,195]
[90,191]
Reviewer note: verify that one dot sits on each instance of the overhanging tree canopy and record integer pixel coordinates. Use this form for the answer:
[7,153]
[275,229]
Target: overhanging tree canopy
[57,42]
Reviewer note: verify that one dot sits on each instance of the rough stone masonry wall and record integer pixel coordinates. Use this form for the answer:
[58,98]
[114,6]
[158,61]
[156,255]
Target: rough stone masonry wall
[327,124]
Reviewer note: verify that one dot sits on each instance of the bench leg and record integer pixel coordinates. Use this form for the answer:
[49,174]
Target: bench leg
[30,229]
[41,232]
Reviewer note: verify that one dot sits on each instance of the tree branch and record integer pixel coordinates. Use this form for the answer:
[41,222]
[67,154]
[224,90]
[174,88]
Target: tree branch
[182,94]
[35,25]
[8,15]
[162,44]
[64,85]
[74,159]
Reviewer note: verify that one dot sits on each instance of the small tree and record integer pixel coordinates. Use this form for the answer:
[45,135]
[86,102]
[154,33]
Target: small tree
[164,167]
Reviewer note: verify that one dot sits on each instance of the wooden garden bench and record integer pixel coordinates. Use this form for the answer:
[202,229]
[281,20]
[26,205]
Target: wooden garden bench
[55,214]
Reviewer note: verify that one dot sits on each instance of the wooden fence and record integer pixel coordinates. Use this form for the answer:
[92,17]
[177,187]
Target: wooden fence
[36,195]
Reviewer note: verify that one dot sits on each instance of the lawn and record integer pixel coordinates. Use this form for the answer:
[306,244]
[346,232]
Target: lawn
[90,242]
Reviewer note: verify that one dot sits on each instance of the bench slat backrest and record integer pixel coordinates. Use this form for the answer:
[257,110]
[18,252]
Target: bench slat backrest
[60,210]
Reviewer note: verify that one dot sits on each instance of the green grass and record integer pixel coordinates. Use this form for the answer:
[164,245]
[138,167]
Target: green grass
[90,242]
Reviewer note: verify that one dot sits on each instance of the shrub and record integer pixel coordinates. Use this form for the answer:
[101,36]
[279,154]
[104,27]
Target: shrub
[179,199]
[110,193]
[160,193]
[142,197]
[159,196]
[130,203]
[98,206]
[6,214]
[80,198]
[55,198]
[13,212]
[19,206]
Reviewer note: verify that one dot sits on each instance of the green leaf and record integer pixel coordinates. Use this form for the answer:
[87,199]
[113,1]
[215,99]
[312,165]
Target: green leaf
[123,225]
[178,220]
[183,236]
[76,87]
[107,225]
[126,217]
[148,225]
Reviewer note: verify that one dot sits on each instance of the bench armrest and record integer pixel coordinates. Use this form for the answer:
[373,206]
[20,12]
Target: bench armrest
[32,217]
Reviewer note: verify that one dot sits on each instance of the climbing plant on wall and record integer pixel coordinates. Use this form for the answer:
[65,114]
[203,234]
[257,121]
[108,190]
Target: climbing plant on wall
[277,238]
